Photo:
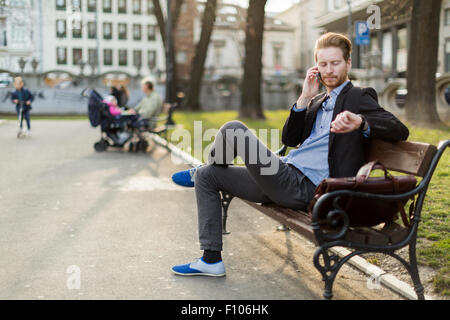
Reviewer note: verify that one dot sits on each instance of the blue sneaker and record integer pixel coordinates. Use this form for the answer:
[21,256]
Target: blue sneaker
[200,268]
[185,178]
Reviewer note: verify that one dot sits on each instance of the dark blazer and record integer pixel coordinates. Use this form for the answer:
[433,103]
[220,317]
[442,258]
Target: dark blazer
[346,152]
[26,96]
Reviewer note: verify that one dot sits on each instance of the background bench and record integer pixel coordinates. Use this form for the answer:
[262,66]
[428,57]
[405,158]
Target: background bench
[418,159]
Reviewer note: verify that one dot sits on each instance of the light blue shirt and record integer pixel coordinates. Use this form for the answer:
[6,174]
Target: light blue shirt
[311,157]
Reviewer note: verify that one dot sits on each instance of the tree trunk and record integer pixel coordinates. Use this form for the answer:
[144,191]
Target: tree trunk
[420,104]
[251,100]
[176,9]
[198,62]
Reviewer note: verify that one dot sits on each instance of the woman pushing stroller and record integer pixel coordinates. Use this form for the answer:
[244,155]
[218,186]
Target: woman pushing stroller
[22,98]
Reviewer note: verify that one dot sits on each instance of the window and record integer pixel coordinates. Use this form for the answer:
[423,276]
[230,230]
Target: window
[77,31]
[107,7]
[447,55]
[3,37]
[92,30]
[277,55]
[218,52]
[123,57]
[77,56]
[122,6]
[151,59]
[19,33]
[92,57]
[61,55]
[150,8]
[137,6]
[122,31]
[402,50]
[137,58]
[374,45]
[386,57]
[218,56]
[151,33]
[107,30]
[92,5]
[61,5]
[76,4]
[61,28]
[107,57]
[137,32]
[447,17]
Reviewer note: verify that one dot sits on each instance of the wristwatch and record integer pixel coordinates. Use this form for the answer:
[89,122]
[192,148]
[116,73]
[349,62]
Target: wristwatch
[363,123]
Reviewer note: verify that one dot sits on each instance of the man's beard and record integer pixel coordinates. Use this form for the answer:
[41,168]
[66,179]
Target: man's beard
[336,81]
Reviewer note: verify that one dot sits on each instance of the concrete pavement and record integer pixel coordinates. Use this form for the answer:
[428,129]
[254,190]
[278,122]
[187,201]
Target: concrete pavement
[115,222]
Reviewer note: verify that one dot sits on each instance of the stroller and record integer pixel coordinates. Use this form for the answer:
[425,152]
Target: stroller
[116,131]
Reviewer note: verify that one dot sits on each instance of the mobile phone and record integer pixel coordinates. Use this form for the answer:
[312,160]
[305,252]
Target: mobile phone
[319,77]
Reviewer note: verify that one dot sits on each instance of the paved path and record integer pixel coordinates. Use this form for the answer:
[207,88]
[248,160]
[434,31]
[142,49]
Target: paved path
[120,221]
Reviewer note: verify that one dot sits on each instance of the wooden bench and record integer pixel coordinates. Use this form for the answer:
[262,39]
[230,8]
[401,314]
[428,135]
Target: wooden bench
[414,158]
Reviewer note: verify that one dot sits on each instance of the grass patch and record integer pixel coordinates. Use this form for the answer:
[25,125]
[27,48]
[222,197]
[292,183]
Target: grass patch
[434,251]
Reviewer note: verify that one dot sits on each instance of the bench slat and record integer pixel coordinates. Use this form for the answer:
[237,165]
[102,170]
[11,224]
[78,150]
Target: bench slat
[407,157]
[395,232]
[296,220]
[300,222]
[367,236]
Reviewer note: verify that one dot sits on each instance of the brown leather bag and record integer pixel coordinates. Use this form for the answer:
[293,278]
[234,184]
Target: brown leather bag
[367,212]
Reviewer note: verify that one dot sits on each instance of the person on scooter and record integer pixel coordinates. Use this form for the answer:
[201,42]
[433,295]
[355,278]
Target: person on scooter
[22,98]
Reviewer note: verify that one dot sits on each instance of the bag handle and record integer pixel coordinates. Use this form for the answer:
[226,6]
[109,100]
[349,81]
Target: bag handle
[364,172]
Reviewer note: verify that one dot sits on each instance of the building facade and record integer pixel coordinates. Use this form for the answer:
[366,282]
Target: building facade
[302,17]
[99,36]
[19,37]
[226,50]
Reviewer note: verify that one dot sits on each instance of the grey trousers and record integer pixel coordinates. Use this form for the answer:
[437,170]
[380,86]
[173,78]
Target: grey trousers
[265,178]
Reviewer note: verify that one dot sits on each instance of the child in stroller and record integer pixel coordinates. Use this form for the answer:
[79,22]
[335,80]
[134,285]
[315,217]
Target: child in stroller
[117,126]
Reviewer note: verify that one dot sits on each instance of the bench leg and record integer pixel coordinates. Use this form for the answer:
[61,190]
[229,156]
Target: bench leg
[329,267]
[225,201]
[415,271]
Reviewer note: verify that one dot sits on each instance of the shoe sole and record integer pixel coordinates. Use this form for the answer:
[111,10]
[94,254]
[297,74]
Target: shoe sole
[200,274]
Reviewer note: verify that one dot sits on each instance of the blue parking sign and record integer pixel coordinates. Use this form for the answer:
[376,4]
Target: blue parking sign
[362,33]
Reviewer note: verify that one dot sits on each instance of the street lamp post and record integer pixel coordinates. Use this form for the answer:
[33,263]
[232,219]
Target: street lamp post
[81,64]
[349,20]
[34,64]
[22,62]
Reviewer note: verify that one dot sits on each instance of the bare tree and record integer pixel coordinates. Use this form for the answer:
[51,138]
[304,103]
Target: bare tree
[176,9]
[420,104]
[251,99]
[198,62]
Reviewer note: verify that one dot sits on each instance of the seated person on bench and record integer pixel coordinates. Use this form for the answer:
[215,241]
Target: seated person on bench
[332,128]
[151,105]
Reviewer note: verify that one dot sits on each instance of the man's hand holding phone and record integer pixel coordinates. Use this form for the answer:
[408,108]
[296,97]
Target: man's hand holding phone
[310,87]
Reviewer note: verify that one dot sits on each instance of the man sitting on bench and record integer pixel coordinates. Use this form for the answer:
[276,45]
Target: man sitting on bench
[332,129]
